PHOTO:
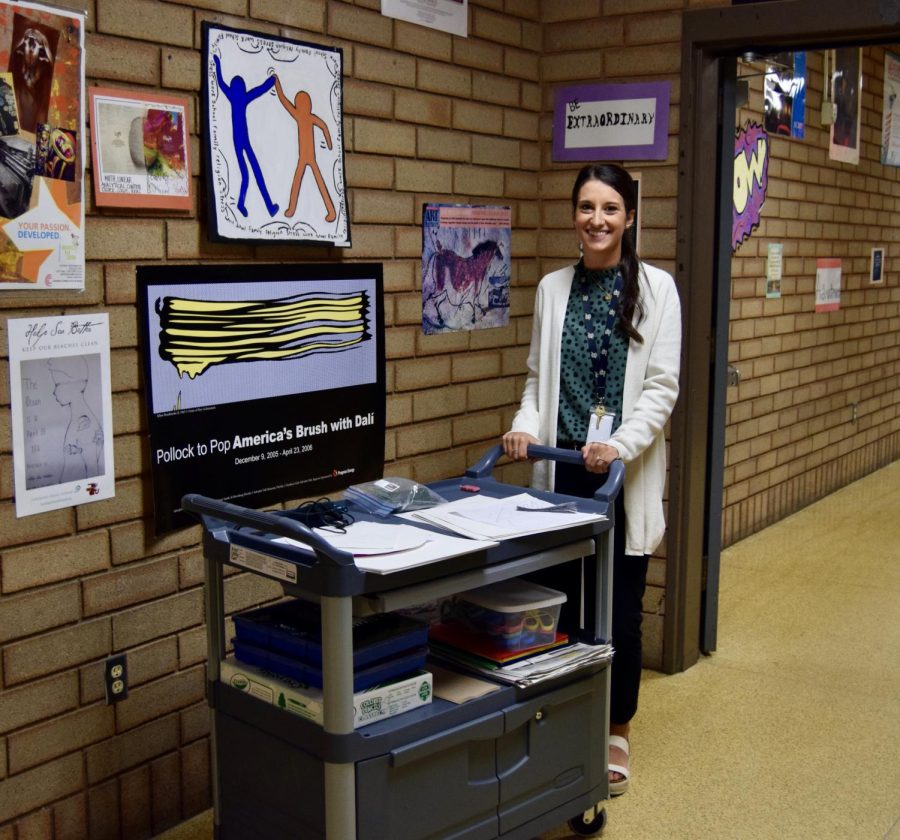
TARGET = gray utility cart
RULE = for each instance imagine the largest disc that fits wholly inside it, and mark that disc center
(511, 764)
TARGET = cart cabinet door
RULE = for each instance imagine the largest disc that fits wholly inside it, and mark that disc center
(552, 752)
(437, 788)
(267, 788)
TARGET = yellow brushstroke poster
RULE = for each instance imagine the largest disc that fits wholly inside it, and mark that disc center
(265, 391)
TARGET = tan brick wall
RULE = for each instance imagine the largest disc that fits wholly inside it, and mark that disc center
(428, 117)
(819, 402)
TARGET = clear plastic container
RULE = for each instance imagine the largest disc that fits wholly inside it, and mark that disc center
(515, 614)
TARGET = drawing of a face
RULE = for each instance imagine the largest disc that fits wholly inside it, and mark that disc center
(70, 376)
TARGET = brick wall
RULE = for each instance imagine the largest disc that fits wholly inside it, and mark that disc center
(819, 403)
(427, 117)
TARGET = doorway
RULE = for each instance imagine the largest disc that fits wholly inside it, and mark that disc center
(711, 41)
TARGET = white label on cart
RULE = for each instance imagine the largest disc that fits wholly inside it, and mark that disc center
(262, 563)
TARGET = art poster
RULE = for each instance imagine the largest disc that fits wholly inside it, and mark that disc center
(274, 139)
(140, 150)
(465, 267)
(785, 95)
(265, 383)
(751, 180)
(890, 129)
(444, 15)
(41, 147)
(828, 284)
(61, 406)
(846, 89)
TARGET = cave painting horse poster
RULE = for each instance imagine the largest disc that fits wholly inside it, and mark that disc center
(41, 147)
(265, 382)
(274, 138)
(465, 267)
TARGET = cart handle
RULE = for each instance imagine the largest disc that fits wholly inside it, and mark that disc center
(267, 522)
(605, 493)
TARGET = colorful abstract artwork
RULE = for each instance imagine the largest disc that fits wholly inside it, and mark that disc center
(140, 149)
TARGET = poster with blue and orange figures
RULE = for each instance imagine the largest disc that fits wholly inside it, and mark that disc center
(274, 137)
(41, 147)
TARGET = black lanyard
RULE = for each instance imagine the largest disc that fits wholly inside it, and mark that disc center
(600, 356)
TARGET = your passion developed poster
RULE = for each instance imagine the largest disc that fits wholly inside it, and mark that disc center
(264, 383)
(41, 147)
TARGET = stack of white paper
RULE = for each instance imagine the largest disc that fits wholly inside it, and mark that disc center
(385, 548)
(484, 517)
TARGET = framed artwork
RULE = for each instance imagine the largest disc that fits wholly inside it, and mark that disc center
(265, 383)
(41, 147)
(601, 122)
(274, 138)
(140, 149)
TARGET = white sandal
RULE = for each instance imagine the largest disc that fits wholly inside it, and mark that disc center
(618, 787)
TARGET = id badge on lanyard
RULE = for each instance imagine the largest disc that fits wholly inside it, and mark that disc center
(600, 421)
(600, 426)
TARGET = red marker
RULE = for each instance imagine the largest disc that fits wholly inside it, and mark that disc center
(469, 488)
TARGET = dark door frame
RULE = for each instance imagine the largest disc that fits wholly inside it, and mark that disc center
(711, 39)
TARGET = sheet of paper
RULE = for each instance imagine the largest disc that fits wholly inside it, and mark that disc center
(459, 688)
(370, 538)
(484, 517)
(433, 547)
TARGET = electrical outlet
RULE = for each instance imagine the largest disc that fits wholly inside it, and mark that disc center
(116, 676)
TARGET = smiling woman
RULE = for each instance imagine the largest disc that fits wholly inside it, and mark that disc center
(603, 378)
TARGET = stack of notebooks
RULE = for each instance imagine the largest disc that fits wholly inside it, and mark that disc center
(286, 639)
(452, 642)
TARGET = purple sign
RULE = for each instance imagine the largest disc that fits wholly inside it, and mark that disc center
(751, 177)
(611, 122)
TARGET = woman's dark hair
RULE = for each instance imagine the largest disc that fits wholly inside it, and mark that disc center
(619, 179)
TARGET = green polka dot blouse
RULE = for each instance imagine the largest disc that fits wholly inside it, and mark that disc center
(576, 380)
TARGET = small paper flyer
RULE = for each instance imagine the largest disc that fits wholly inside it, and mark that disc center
(61, 404)
(828, 285)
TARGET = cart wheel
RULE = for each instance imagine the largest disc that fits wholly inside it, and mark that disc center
(585, 825)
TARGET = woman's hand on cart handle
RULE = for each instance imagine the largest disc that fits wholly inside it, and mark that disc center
(598, 456)
(515, 445)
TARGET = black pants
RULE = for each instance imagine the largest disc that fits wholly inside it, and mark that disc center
(629, 583)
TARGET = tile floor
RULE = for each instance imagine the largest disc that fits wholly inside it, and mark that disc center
(791, 729)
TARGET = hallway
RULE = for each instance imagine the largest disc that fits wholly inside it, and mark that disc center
(791, 729)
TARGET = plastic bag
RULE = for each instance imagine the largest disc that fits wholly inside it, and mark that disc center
(392, 494)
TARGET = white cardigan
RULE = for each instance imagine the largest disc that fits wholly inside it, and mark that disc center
(649, 394)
